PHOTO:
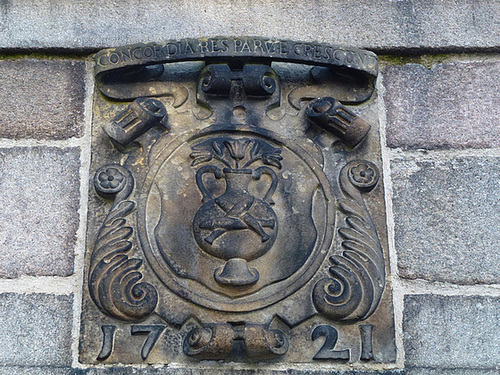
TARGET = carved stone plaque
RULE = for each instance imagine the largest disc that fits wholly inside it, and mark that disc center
(236, 210)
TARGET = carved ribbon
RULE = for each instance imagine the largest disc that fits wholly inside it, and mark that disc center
(356, 61)
(357, 274)
(113, 279)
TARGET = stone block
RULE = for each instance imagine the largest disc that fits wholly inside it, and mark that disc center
(259, 370)
(446, 217)
(39, 203)
(36, 329)
(374, 24)
(455, 371)
(24, 370)
(451, 332)
(452, 105)
(42, 99)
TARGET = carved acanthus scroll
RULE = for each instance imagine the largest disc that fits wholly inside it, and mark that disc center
(114, 277)
(358, 275)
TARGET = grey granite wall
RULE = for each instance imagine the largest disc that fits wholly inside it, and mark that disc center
(440, 91)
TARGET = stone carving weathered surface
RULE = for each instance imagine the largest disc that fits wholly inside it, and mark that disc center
(237, 211)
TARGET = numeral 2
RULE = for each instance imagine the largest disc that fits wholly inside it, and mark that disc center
(327, 351)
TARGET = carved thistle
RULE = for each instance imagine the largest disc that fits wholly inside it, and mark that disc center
(237, 210)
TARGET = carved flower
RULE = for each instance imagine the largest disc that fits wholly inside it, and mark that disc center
(237, 148)
(236, 153)
(110, 178)
(364, 175)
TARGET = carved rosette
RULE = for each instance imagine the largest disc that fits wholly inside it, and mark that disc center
(114, 279)
(357, 274)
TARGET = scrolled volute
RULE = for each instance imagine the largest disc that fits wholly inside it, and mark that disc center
(355, 287)
(114, 279)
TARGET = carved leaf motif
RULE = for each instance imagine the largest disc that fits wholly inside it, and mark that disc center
(358, 272)
(114, 234)
(236, 153)
(273, 159)
(350, 206)
(361, 236)
(200, 156)
(114, 280)
(219, 150)
(255, 152)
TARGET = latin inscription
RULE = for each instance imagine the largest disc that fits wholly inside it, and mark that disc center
(193, 49)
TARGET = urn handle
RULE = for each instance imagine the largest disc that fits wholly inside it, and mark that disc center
(199, 180)
(257, 174)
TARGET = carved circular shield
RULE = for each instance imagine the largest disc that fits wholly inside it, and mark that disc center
(234, 220)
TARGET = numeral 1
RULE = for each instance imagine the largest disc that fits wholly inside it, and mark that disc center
(366, 331)
(108, 332)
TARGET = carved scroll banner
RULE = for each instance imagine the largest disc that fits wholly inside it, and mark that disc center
(236, 209)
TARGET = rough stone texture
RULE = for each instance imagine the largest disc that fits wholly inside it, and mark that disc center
(36, 329)
(451, 332)
(221, 371)
(378, 24)
(446, 217)
(179, 371)
(455, 371)
(185, 371)
(39, 202)
(19, 370)
(452, 105)
(41, 99)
